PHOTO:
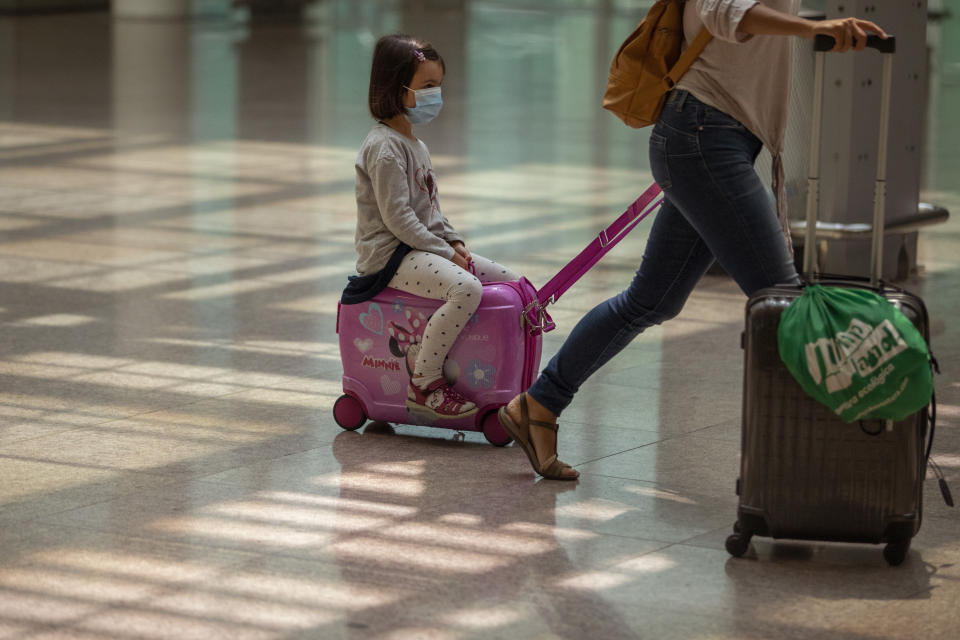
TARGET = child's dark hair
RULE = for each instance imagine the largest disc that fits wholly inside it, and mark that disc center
(395, 60)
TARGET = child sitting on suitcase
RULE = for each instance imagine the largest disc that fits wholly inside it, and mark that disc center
(403, 240)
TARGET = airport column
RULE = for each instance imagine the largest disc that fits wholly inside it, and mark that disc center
(152, 8)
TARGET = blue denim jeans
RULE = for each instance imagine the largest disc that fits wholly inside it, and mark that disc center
(715, 208)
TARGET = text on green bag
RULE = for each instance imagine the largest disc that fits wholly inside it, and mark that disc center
(861, 349)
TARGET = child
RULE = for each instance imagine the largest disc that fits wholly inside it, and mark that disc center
(403, 240)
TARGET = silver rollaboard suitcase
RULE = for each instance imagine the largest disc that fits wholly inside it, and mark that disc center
(804, 473)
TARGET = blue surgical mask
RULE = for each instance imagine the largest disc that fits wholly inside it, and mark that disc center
(428, 106)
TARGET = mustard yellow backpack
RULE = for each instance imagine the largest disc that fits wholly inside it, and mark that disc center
(649, 63)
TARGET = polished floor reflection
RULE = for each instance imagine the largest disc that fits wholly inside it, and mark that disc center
(176, 224)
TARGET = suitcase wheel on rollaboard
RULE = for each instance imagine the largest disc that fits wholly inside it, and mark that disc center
(348, 413)
(738, 543)
(896, 552)
(493, 432)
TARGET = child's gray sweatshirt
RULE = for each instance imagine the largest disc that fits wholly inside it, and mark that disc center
(397, 200)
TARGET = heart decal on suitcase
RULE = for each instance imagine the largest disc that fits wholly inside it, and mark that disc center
(372, 319)
(390, 386)
(363, 345)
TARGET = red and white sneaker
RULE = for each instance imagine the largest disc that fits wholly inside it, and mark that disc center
(439, 399)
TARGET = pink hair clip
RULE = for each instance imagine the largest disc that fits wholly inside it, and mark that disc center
(419, 55)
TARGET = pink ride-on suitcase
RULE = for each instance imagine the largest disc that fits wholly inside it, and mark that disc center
(495, 357)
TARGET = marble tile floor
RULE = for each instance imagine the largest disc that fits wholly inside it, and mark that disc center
(170, 468)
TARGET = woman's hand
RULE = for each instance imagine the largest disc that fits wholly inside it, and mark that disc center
(848, 32)
(462, 251)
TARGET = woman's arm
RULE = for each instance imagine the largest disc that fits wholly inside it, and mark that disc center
(848, 32)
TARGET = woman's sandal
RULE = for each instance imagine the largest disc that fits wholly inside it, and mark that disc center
(552, 469)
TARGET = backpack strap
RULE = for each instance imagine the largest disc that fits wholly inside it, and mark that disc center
(687, 58)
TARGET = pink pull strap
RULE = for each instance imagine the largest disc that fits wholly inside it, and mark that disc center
(535, 313)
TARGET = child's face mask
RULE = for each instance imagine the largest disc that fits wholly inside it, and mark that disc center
(428, 106)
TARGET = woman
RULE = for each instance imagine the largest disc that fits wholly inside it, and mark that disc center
(728, 105)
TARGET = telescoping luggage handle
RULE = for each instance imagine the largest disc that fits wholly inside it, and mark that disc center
(821, 45)
(534, 315)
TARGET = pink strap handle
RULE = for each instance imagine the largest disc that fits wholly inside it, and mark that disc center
(535, 314)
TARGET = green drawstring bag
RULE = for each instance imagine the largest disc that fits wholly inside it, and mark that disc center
(855, 352)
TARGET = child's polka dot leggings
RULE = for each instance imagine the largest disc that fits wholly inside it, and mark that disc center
(431, 276)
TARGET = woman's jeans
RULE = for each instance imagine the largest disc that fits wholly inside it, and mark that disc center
(715, 207)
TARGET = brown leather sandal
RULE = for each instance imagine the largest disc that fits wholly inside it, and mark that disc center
(551, 468)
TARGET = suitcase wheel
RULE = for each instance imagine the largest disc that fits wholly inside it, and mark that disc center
(493, 432)
(737, 544)
(348, 413)
(896, 552)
